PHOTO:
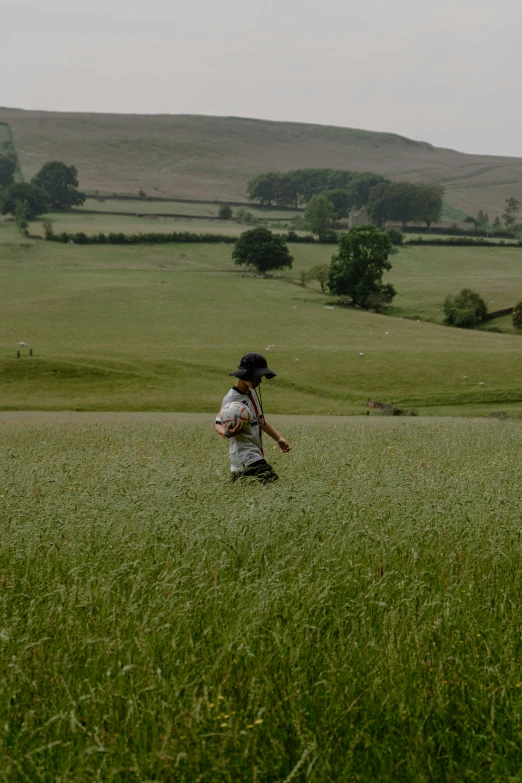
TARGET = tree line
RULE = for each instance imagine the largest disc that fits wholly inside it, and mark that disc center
(509, 216)
(344, 190)
(54, 187)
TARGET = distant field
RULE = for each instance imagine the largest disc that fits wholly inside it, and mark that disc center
(211, 210)
(424, 276)
(159, 328)
(452, 214)
(505, 323)
(207, 158)
(92, 224)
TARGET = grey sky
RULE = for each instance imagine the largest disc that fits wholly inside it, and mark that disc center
(448, 72)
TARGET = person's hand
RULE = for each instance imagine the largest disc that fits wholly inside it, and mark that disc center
(233, 431)
(283, 445)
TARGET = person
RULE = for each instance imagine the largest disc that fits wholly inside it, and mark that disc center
(246, 446)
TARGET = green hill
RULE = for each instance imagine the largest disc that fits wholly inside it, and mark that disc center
(160, 327)
(208, 158)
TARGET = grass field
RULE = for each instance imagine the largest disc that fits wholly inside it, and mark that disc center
(451, 213)
(160, 624)
(207, 158)
(424, 276)
(73, 222)
(135, 328)
(208, 210)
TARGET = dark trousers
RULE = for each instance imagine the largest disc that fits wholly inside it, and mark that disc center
(260, 470)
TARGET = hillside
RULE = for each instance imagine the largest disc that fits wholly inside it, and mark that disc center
(210, 158)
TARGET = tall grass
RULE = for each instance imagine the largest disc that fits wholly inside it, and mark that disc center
(360, 620)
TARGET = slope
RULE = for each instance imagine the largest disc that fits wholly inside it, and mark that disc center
(213, 157)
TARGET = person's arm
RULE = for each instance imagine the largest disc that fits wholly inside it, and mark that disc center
(232, 432)
(273, 433)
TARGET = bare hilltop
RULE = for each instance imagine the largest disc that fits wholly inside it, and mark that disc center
(207, 158)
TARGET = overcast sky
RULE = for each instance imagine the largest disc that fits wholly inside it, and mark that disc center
(448, 72)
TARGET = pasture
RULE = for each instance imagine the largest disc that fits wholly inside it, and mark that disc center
(161, 624)
(159, 328)
(201, 209)
(73, 222)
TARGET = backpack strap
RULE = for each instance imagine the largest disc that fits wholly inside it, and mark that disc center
(259, 414)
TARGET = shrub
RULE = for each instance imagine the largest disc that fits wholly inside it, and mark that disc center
(396, 236)
(34, 198)
(47, 226)
(517, 317)
(298, 223)
(151, 238)
(328, 237)
(460, 242)
(244, 216)
(379, 301)
(465, 309)
(319, 273)
(225, 212)
(291, 236)
(20, 214)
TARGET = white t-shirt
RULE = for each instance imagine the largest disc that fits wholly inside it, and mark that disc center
(246, 447)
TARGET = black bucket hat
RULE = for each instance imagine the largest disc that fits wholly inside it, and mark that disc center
(253, 367)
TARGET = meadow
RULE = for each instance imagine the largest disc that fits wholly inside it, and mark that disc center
(73, 222)
(135, 328)
(158, 623)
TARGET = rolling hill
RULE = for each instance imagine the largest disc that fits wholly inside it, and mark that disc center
(197, 157)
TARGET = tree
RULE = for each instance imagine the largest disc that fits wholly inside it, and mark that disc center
(428, 203)
(497, 224)
(517, 317)
(340, 200)
(264, 188)
(511, 210)
(262, 250)
(392, 201)
(360, 187)
(60, 182)
(319, 273)
(357, 268)
(289, 189)
(225, 212)
(47, 226)
(319, 215)
(7, 170)
(404, 202)
(482, 220)
(35, 199)
(466, 309)
(20, 213)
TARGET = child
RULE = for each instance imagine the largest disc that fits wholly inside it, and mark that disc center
(246, 447)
